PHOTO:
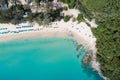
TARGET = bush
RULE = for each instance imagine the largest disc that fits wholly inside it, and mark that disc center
(65, 1)
(73, 19)
(65, 8)
(80, 17)
(71, 5)
(66, 18)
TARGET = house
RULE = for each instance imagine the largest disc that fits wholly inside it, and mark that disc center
(3, 5)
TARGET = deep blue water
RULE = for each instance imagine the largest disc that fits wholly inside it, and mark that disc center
(43, 59)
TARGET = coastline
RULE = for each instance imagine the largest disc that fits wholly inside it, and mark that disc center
(80, 32)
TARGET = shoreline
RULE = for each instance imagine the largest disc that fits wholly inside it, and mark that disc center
(79, 32)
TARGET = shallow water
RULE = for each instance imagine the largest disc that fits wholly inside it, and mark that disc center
(43, 59)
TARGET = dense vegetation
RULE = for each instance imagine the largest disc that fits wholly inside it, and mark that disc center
(107, 14)
(66, 18)
(44, 18)
(77, 4)
(80, 17)
(15, 14)
(71, 3)
(3, 1)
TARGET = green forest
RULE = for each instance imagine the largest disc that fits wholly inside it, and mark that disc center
(15, 14)
(107, 14)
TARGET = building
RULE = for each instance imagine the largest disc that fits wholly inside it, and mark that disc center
(3, 5)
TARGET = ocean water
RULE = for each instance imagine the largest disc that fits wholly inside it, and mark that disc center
(43, 59)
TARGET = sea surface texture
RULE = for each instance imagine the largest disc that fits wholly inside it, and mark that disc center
(43, 59)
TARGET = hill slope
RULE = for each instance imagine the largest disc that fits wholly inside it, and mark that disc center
(107, 14)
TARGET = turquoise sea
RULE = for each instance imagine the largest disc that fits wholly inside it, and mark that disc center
(43, 59)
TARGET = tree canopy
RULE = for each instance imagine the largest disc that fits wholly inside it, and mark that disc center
(107, 16)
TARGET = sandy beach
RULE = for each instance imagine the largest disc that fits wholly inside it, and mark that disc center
(81, 32)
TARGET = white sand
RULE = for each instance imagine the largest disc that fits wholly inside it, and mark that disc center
(80, 32)
(92, 23)
(71, 12)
